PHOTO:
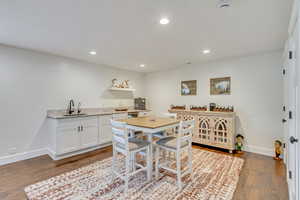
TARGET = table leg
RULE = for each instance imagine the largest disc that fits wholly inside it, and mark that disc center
(149, 137)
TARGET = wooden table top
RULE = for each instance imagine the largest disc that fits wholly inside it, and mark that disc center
(150, 122)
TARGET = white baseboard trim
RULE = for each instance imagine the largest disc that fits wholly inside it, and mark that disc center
(259, 150)
(22, 156)
(59, 157)
(45, 151)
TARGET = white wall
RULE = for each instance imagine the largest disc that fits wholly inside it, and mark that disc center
(31, 83)
(256, 94)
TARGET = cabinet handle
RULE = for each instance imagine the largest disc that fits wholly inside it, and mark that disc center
(78, 128)
(81, 128)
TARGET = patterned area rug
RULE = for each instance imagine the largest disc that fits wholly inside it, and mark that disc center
(215, 178)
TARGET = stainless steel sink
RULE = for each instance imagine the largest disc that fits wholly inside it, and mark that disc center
(75, 115)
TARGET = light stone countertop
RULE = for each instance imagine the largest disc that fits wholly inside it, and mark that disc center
(60, 114)
(216, 113)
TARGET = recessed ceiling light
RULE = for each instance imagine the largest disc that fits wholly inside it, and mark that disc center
(206, 51)
(93, 52)
(142, 65)
(164, 21)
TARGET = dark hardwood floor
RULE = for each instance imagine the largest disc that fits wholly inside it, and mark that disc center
(262, 178)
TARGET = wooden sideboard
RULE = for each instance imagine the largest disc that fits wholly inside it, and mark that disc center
(211, 128)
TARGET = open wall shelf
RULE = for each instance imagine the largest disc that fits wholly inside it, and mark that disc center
(123, 89)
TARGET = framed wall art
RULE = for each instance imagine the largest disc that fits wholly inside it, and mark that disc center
(219, 86)
(188, 88)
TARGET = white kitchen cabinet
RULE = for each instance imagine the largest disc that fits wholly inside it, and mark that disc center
(105, 120)
(75, 134)
(89, 132)
(105, 134)
(67, 140)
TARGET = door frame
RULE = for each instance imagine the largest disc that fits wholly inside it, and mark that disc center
(293, 45)
(297, 135)
(291, 114)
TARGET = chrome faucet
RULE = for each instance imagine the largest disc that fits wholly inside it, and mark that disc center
(71, 107)
(79, 108)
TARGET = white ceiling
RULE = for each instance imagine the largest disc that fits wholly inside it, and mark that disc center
(126, 33)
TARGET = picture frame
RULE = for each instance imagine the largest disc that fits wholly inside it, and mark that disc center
(220, 86)
(188, 88)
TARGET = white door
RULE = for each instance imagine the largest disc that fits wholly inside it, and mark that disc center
(285, 105)
(89, 132)
(105, 133)
(68, 139)
(295, 140)
(292, 114)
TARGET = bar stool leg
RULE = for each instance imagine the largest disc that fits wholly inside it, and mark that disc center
(127, 173)
(157, 162)
(178, 168)
(148, 164)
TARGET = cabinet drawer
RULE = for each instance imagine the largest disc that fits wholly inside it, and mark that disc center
(89, 121)
(105, 120)
(71, 122)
